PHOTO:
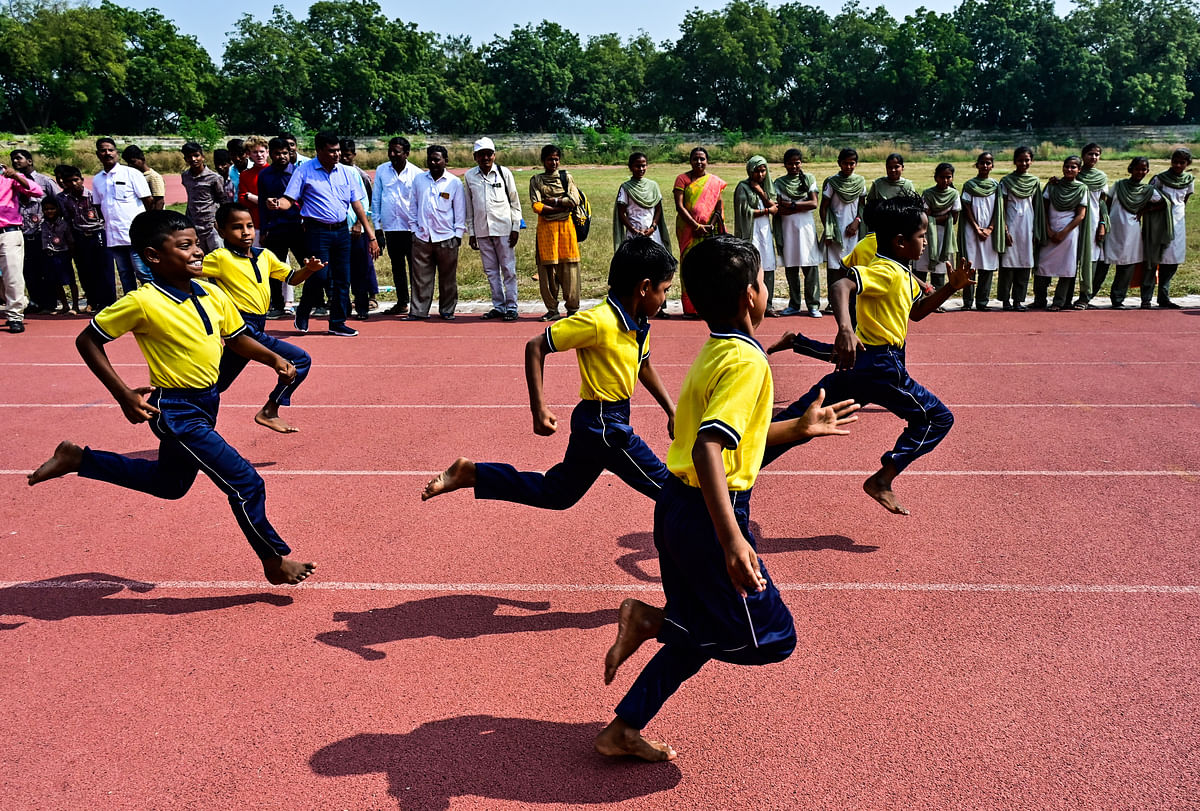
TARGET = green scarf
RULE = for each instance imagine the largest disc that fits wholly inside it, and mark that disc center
(1023, 186)
(1133, 197)
(794, 187)
(884, 189)
(746, 201)
(1158, 228)
(850, 190)
(941, 202)
(985, 187)
(1068, 197)
(1175, 181)
(647, 194)
(1096, 180)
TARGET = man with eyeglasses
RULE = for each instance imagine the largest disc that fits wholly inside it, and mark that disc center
(494, 225)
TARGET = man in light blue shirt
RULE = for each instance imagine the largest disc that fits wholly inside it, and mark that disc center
(326, 191)
(439, 222)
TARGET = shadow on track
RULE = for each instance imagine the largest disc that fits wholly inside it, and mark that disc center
(452, 616)
(642, 544)
(518, 760)
(92, 598)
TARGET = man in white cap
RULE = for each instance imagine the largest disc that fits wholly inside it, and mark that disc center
(494, 225)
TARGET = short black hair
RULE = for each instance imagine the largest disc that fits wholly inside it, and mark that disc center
(1023, 150)
(326, 138)
(716, 273)
(24, 153)
(133, 152)
(236, 147)
(225, 212)
(277, 143)
(348, 145)
(221, 156)
(429, 150)
(191, 148)
(898, 216)
(638, 259)
(67, 170)
(550, 149)
(400, 141)
(287, 136)
(1184, 154)
(105, 140)
(51, 200)
(150, 229)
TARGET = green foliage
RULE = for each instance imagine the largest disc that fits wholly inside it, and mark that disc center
(54, 144)
(207, 131)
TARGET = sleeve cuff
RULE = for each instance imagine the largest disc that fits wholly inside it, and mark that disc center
(236, 332)
(550, 340)
(722, 428)
(100, 331)
(858, 282)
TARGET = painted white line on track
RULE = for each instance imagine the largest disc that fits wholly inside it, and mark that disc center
(427, 334)
(451, 588)
(916, 363)
(777, 473)
(525, 406)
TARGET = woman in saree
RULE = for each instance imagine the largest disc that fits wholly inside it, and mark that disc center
(700, 211)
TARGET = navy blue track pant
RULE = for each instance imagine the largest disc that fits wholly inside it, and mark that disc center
(188, 443)
(232, 363)
(705, 617)
(879, 377)
(601, 439)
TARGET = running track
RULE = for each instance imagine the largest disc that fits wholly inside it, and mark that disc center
(1026, 639)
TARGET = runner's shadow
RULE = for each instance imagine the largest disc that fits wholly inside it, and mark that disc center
(642, 544)
(42, 600)
(452, 616)
(517, 760)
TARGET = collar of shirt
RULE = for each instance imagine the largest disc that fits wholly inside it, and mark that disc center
(733, 333)
(627, 321)
(177, 295)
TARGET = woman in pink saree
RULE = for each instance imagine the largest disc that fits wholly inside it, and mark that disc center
(699, 210)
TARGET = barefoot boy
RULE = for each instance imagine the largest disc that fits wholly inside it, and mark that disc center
(179, 324)
(245, 273)
(721, 603)
(870, 357)
(611, 343)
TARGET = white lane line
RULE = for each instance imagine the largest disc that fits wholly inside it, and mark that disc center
(240, 585)
(525, 406)
(698, 337)
(778, 473)
(914, 363)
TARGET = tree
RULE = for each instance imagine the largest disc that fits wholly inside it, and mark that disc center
(927, 80)
(534, 70)
(266, 73)
(58, 62)
(1001, 36)
(859, 85)
(801, 81)
(610, 88)
(463, 100)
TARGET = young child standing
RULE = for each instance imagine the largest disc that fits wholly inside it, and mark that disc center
(1024, 228)
(179, 324)
(244, 272)
(1132, 199)
(720, 601)
(796, 234)
(980, 237)
(611, 343)
(639, 210)
(870, 358)
(205, 192)
(1176, 185)
(753, 210)
(56, 249)
(842, 197)
(1092, 274)
(87, 238)
(1063, 256)
(942, 207)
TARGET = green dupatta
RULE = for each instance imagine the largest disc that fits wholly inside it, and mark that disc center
(1096, 180)
(1171, 181)
(939, 203)
(647, 194)
(1068, 197)
(1158, 227)
(985, 187)
(1025, 186)
(796, 188)
(850, 190)
(746, 201)
(884, 189)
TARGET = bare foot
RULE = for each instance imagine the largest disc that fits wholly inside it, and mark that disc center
(281, 571)
(66, 459)
(458, 475)
(618, 738)
(879, 487)
(784, 342)
(269, 417)
(636, 623)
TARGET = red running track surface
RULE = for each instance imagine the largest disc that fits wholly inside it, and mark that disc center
(1025, 639)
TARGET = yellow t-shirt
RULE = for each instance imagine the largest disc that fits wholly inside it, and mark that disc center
(609, 347)
(886, 291)
(249, 287)
(180, 333)
(729, 390)
(863, 253)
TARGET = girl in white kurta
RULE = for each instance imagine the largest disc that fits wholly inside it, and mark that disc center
(1024, 227)
(1092, 277)
(1130, 199)
(943, 207)
(796, 233)
(842, 197)
(977, 233)
(1176, 185)
(1066, 207)
(753, 209)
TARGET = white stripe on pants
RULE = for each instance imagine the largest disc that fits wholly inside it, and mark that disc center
(500, 265)
(12, 274)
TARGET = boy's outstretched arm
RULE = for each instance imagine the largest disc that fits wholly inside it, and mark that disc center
(91, 349)
(846, 345)
(960, 276)
(740, 560)
(247, 347)
(311, 265)
(544, 421)
(653, 383)
(817, 420)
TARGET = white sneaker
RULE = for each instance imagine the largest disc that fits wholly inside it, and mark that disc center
(814, 312)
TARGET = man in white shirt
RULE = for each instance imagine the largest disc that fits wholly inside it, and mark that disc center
(494, 226)
(391, 210)
(122, 193)
(439, 220)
